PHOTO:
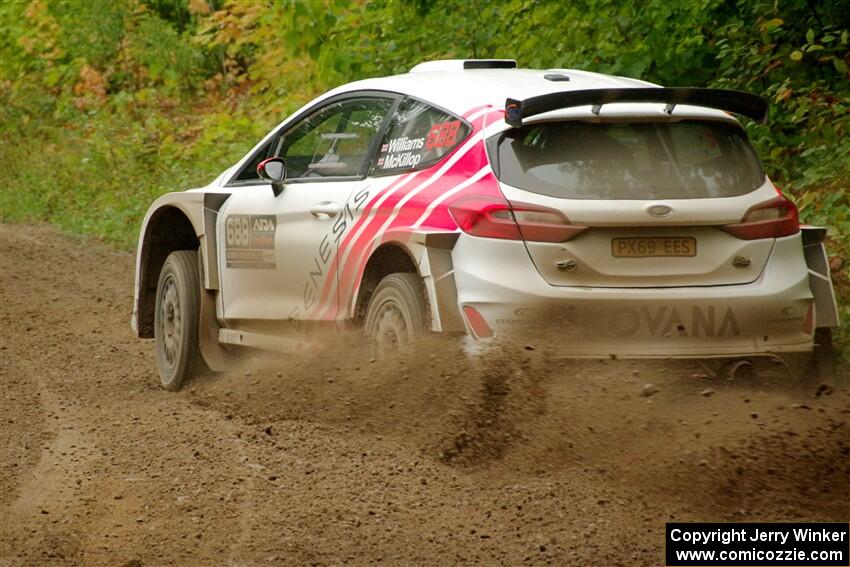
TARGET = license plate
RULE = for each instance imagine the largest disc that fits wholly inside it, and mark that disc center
(653, 247)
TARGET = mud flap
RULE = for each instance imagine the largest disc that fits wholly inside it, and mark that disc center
(214, 354)
(438, 270)
(826, 307)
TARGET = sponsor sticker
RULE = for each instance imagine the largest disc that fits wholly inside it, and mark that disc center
(625, 321)
(442, 135)
(323, 257)
(249, 241)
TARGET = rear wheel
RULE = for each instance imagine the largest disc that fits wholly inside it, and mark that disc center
(176, 319)
(397, 313)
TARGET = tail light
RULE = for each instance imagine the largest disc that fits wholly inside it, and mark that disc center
(771, 219)
(809, 321)
(494, 217)
(489, 217)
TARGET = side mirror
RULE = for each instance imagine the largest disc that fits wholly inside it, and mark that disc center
(273, 170)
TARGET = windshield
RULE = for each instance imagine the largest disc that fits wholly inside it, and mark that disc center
(628, 160)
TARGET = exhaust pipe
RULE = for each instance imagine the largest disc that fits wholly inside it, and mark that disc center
(739, 369)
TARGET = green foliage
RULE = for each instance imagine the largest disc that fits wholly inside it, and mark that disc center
(123, 100)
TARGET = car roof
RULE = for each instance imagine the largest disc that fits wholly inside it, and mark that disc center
(460, 90)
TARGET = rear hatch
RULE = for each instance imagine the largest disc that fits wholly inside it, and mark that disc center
(646, 199)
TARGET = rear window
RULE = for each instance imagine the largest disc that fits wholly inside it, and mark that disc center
(628, 160)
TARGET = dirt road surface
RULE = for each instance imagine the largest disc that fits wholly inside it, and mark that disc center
(336, 460)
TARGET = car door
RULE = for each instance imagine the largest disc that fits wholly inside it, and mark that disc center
(276, 252)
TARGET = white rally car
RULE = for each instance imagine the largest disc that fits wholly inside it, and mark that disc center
(470, 196)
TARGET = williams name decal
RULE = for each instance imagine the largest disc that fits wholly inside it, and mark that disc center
(401, 152)
(403, 144)
(250, 241)
(405, 152)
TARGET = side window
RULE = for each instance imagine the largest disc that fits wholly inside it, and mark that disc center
(335, 141)
(249, 170)
(418, 136)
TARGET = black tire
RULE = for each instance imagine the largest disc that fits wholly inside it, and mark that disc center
(397, 313)
(178, 298)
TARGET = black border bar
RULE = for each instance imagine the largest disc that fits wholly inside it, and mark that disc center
(768, 544)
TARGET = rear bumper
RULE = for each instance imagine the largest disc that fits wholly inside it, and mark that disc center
(760, 318)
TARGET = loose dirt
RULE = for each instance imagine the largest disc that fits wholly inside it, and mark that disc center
(337, 459)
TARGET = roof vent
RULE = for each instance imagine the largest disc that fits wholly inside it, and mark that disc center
(461, 64)
(556, 77)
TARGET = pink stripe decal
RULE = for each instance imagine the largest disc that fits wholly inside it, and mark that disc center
(330, 280)
(459, 174)
(392, 212)
(399, 202)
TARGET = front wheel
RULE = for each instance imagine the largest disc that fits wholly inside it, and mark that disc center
(176, 319)
(397, 313)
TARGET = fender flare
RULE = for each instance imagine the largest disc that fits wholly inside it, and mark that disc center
(193, 205)
(431, 252)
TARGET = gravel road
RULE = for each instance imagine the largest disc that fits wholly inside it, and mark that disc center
(334, 459)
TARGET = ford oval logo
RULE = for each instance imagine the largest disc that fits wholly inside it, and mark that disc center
(659, 210)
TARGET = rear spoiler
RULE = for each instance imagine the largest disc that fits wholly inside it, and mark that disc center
(749, 105)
